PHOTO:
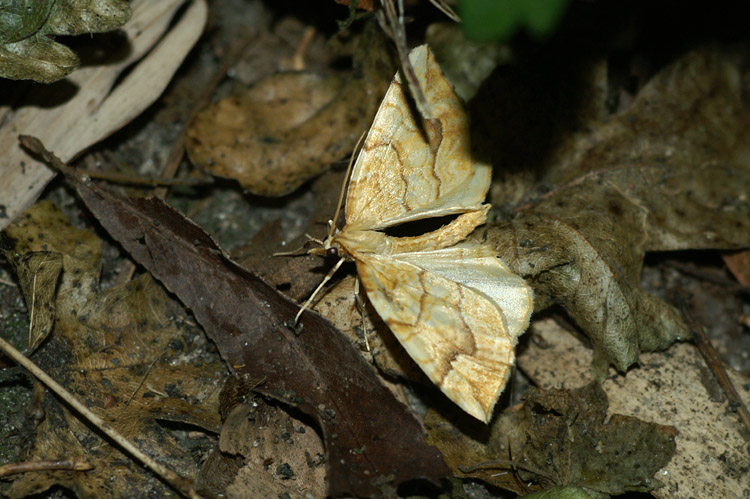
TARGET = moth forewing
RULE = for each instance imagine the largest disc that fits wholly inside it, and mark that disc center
(398, 173)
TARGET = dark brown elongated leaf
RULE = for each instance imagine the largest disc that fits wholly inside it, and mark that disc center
(372, 441)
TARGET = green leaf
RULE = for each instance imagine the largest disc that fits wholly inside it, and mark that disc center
(27, 47)
(500, 19)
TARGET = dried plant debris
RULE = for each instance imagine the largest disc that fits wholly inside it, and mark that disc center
(27, 28)
(673, 388)
(125, 355)
(666, 174)
(557, 439)
(567, 437)
(279, 454)
(291, 126)
(373, 443)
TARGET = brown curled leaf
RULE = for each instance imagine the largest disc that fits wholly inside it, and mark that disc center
(291, 126)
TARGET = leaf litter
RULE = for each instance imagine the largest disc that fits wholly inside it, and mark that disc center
(564, 241)
(124, 352)
(372, 441)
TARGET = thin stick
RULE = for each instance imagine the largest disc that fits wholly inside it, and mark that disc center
(180, 484)
(143, 378)
(728, 284)
(70, 464)
(391, 19)
(716, 364)
(124, 178)
(446, 9)
(505, 464)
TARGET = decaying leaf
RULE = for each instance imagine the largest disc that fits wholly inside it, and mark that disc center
(120, 351)
(558, 438)
(291, 126)
(738, 263)
(570, 437)
(27, 47)
(669, 173)
(466, 448)
(38, 273)
(672, 388)
(373, 442)
(280, 455)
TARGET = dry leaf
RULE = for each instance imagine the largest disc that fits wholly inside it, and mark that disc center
(558, 438)
(291, 126)
(673, 388)
(464, 448)
(574, 441)
(361, 4)
(666, 174)
(123, 354)
(465, 62)
(455, 308)
(102, 103)
(281, 454)
(739, 264)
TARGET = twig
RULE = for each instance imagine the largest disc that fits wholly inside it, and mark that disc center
(143, 378)
(391, 20)
(70, 464)
(728, 284)
(446, 9)
(506, 464)
(124, 178)
(181, 484)
(7, 282)
(715, 364)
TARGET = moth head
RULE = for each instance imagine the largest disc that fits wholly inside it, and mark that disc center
(327, 248)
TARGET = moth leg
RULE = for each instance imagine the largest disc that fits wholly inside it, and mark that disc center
(362, 311)
(327, 278)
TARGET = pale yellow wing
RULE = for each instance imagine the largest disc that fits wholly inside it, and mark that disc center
(479, 268)
(400, 174)
(456, 334)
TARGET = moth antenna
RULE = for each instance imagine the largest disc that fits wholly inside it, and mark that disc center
(327, 278)
(298, 252)
(355, 153)
(301, 250)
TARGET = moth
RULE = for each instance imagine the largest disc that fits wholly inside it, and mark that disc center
(455, 307)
